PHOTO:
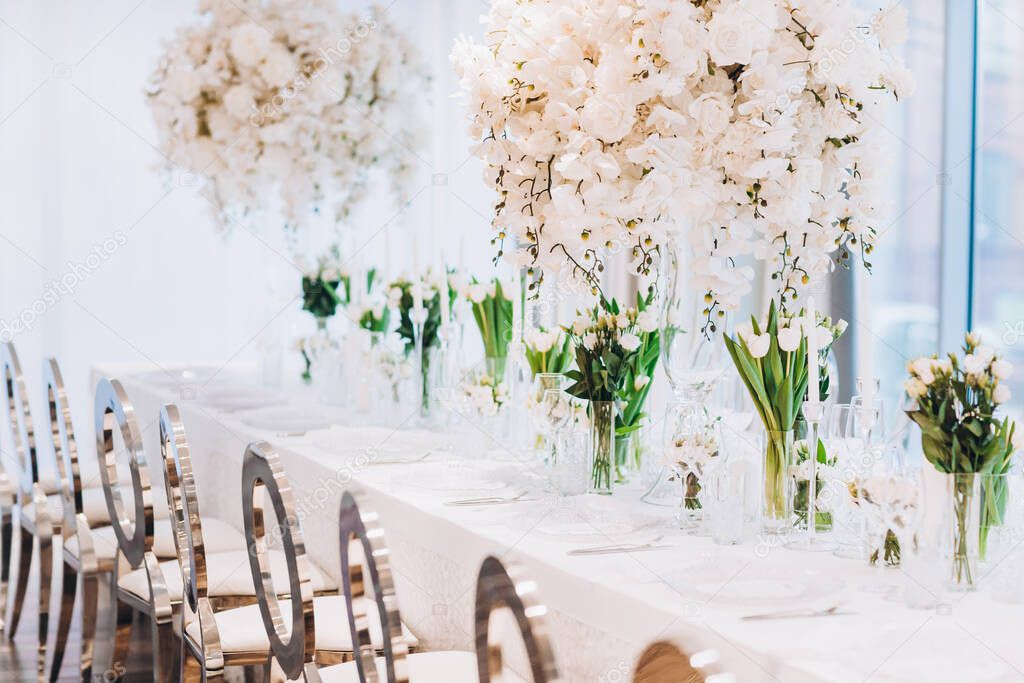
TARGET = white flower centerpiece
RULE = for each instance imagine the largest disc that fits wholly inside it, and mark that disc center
(287, 106)
(751, 123)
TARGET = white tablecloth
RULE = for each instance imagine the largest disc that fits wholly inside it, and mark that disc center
(603, 609)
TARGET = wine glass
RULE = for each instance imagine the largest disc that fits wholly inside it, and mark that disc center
(846, 520)
(550, 415)
(886, 495)
(732, 402)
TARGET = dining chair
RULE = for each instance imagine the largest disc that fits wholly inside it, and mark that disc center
(151, 587)
(27, 509)
(218, 632)
(305, 631)
(668, 662)
(84, 512)
(365, 562)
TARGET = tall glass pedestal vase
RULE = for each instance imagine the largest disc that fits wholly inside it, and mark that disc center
(602, 446)
(777, 499)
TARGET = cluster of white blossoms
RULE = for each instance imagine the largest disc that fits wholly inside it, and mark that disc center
(483, 395)
(601, 331)
(980, 368)
(691, 453)
(542, 341)
(740, 127)
(792, 329)
(287, 105)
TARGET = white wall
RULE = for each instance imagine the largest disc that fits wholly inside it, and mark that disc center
(80, 168)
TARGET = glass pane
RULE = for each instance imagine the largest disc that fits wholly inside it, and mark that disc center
(905, 278)
(998, 289)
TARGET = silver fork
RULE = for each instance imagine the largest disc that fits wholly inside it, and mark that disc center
(619, 548)
(486, 500)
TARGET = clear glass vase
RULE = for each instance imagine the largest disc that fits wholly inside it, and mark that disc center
(961, 527)
(777, 499)
(602, 445)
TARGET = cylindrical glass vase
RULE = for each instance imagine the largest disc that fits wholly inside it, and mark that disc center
(777, 500)
(602, 445)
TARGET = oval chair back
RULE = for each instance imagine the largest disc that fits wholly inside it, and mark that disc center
(19, 420)
(113, 410)
(497, 588)
(263, 479)
(359, 523)
(65, 449)
(667, 662)
(187, 529)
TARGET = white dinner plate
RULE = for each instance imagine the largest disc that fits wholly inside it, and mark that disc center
(292, 419)
(377, 446)
(450, 481)
(231, 400)
(729, 582)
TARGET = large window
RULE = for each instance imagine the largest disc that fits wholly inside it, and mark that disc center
(997, 293)
(905, 293)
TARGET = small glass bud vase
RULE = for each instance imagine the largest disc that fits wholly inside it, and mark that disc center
(777, 501)
(602, 446)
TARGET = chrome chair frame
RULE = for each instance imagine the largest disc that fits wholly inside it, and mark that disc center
(357, 522)
(81, 571)
(263, 476)
(114, 410)
(41, 527)
(497, 588)
(203, 659)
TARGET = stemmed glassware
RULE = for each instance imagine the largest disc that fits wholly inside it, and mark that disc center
(550, 414)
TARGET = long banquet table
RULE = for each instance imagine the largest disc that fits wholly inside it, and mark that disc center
(603, 609)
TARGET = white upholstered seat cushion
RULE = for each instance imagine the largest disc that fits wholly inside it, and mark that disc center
(227, 574)
(242, 630)
(424, 667)
(218, 536)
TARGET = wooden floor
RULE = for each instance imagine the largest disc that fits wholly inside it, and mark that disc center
(18, 658)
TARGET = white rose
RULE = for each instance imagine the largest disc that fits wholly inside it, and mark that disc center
(730, 39)
(279, 67)
(239, 102)
(646, 322)
(476, 292)
(974, 365)
(1001, 394)
(758, 344)
(580, 325)
(249, 44)
(622, 321)
(922, 367)
(915, 388)
(640, 382)
(1002, 369)
(986, 353)
(184, 85)
(608, 118)
(712, 112)
(629, 341)
(589, 341)
(789, 338)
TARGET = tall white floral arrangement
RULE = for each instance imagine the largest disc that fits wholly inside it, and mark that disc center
(287, 104)
(752, 124)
